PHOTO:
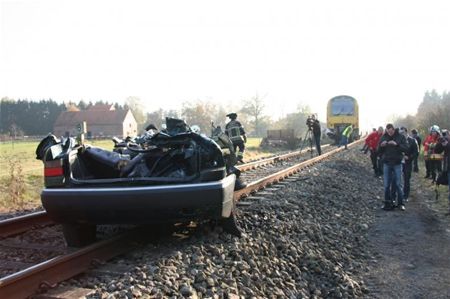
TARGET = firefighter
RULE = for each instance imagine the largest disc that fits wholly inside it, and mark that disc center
(236, 133)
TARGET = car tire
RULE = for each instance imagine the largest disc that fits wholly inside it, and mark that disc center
(230, 225)
(78, 235)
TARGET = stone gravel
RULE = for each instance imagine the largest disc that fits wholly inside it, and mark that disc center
(304, 238)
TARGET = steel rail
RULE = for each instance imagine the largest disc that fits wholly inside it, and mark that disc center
(271, 160)
(47, 274)
(26, 282)
(20, 224)
(280, 175)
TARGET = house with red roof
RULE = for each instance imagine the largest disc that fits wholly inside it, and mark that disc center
(101, 121)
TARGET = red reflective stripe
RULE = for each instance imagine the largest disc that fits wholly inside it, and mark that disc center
(53, 171)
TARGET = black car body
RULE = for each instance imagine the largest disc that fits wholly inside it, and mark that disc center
(165, 177)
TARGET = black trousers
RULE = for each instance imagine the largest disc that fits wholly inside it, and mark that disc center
(435, 167)
(415, 164)
(241, 146)
(375, 162)
(407, 170)
(427, 167)
(317, 141)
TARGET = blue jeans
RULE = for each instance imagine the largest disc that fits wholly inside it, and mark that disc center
(344, 141)
(392, 174)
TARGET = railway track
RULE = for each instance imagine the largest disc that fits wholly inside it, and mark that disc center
(48, 273)
(21, 224)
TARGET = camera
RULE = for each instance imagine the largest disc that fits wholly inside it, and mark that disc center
(310, 122)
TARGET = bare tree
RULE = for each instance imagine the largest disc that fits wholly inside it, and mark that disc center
(156, 118)
(137, 108)
(201, 113)
(254, 107)
(434, 110)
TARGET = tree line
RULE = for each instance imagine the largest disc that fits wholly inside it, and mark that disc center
(36, 118)
(206, 113)
(433, 110)
(28, 117)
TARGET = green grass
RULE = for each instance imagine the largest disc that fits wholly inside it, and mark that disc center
(253, 143)
(19, 159)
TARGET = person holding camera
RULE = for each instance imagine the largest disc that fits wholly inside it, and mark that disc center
(314, 126)
(391, 147)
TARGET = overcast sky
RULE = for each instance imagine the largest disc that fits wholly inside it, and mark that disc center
(386, 54)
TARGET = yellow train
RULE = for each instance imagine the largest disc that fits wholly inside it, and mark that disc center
(343, 111)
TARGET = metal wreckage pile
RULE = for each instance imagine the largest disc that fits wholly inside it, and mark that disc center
(173, 155)
(163, 176)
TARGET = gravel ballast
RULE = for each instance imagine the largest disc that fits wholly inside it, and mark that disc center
(305, 238)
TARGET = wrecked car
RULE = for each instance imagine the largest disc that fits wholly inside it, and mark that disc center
(169, 176)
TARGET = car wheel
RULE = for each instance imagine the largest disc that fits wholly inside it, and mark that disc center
(78, 235)
(230, 226)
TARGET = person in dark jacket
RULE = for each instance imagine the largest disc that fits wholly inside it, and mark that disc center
(443, 145)
(317, 132)
(236, 133)
(410, 155)
(391, 147)
(416, 136)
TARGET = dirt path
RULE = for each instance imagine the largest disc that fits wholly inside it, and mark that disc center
(412, 250)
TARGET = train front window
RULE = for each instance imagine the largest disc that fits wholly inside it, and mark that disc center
(343, 106)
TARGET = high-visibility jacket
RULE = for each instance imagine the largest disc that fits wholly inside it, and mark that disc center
(348, 131)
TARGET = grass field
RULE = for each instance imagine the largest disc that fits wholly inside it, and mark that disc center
(21, 174)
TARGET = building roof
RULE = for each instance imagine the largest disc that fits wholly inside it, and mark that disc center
(91, 117)
(101, 107)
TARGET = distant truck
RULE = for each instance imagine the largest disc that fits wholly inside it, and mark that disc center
(284, 138)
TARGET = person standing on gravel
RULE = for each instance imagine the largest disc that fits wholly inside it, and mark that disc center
(410, 155)
(416, 136)
(391, 147)
(317, 132)
(432, 161)
(444, 146)
(372, 144)
(346, 136)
